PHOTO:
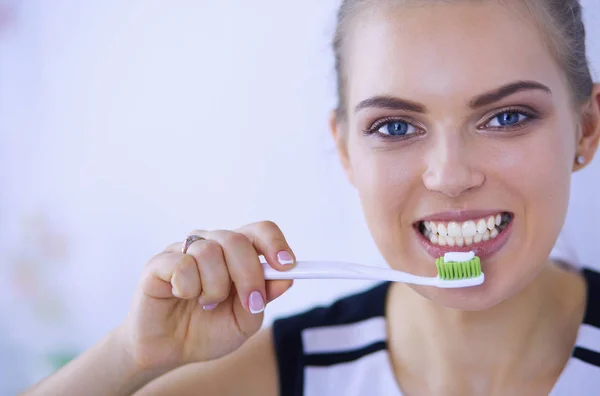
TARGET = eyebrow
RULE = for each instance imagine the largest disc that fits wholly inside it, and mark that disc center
(507, 90)
(390, 103)
(394, 103)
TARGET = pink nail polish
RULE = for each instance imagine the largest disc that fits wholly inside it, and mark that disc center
(256, 303)
(210, 307)
(285, 258)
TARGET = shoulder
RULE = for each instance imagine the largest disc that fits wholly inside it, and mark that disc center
(588, 341)
(354, 308)
(581, 375)
(592, 314)
(344, 331)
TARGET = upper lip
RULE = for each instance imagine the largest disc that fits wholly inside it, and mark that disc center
(461, 215)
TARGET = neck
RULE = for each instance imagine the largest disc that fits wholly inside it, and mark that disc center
(501, 345)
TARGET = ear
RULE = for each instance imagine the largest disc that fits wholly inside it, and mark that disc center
(589, 136)
(339, 131)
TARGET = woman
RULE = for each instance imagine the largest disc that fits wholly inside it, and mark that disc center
(460, 124)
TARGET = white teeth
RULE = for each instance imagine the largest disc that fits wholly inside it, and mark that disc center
(442, 229)
(462, 234)
(433, 227)
(454, 229)
(469, 229)
(491, 223)
(481, 226)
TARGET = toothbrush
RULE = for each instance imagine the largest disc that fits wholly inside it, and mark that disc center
(455, 269)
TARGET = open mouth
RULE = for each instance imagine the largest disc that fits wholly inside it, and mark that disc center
(467, 233)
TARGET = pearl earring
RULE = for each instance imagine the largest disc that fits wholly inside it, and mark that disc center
(580, 160)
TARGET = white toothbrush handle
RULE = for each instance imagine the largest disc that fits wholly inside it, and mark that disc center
(338, 270)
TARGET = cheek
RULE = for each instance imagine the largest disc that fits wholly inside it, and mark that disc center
(539, 170)
(385, 181)
(535, 172)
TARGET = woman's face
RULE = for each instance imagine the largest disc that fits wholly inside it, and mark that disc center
(457, 114)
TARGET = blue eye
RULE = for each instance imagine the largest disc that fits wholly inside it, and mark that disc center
(396, 128)
(507, 119)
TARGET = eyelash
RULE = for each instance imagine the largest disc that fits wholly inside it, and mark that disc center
(531, 117)
(530, 114)
(373, 130)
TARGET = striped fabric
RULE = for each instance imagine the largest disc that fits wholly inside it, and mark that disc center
(342, 349)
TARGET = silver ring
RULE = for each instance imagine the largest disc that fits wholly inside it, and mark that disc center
(188, 241)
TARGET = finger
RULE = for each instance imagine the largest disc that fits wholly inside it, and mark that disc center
(214, 276)
(177, 247)
(276, 288)
(244, 268)
(170, 275)
(174, 247)
(268, 240)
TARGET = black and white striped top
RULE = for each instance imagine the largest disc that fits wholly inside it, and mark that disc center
(342, 349)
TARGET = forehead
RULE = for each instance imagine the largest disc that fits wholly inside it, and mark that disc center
(445, 50)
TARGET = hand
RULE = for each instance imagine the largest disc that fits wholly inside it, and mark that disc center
(205, 304)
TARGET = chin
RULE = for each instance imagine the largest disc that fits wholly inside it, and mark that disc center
(468, 299)
(496, 289)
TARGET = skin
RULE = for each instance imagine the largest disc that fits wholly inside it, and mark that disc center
(487, 340)
(457, 160)
(453, 164)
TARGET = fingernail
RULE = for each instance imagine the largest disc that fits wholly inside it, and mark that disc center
(210, 307)
(256, 303)
(285, 258)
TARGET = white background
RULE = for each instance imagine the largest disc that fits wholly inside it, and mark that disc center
(126, 124)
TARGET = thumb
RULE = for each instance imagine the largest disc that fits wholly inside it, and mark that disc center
(248, 323)
(276, 288)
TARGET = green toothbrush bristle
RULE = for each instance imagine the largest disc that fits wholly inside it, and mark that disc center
(455, 271)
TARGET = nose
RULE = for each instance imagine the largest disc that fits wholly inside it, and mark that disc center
(450, 169)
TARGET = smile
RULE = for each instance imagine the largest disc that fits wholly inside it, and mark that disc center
(465, 233)
(484, 233)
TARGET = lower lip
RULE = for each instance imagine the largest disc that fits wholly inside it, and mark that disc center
(483, 250)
